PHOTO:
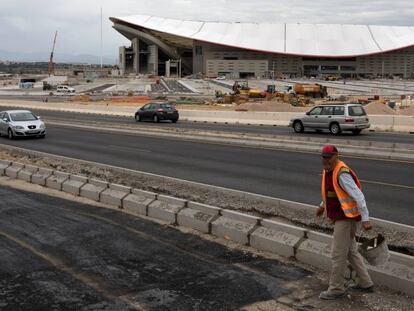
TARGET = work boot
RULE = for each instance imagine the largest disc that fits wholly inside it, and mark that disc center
(327, 295)
(358, 288)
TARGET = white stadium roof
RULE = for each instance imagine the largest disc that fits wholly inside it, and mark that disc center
(316, 40)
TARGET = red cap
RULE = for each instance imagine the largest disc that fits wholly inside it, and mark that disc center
(329, 151)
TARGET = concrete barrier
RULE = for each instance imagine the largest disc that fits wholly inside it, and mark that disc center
(93, 189)
(3, 166)
(13, 170)
(40, 177)
(403, 123)
(56, 180)
(242, 117)
(198, 216)
(316, 250)
(137, 201)
(378, 122)
(235, 226)
(395, 276)
(392, 123)
(276, 237)
(166, 208)
(74, 184)
(27, 172)
(114, 195)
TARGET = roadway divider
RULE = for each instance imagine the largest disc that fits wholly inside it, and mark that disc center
(390, 123)
(305, 245)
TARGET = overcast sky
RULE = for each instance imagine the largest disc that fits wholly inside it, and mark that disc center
(29, 25)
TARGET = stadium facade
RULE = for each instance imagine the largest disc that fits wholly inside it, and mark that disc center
(161, 46)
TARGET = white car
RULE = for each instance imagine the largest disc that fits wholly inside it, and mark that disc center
(64, 89)
(21, 123)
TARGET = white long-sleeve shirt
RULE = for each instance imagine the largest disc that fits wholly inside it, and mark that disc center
(349, 186)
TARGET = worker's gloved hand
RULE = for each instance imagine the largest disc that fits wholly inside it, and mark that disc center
(319, 211)
(366, 225)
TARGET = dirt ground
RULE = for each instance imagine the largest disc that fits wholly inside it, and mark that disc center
(275, 106)
(375, 107)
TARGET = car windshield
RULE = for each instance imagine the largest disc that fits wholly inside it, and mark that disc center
(22, 116)
(356, 111)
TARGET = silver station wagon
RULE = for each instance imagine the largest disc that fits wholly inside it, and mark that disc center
(336, 118)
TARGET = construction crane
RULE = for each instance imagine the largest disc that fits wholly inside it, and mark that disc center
(51, 67)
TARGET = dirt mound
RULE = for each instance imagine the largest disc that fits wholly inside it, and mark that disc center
(378, 107)
(271, 106)
(130, 99)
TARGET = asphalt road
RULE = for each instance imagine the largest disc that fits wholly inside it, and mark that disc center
(388, 186)
(251, 129)
(62, 255)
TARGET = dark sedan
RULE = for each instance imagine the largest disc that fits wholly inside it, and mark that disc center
(157, 112)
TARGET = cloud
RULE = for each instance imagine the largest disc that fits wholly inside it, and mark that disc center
(30, 25)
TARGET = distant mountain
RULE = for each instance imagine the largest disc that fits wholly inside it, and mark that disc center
(58, 58)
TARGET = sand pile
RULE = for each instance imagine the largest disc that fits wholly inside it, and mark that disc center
(271, 106)
(378, 107)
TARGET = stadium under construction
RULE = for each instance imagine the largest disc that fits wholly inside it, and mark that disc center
(167, 47)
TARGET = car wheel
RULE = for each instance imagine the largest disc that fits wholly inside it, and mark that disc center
(10, 134)
(356, 132)
(138, 118)
(298, 127)
(335, 129)
(174, 121)
(42, 136)
(156, 119)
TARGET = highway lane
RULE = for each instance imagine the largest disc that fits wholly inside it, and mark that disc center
(235, 128)
(295, 176)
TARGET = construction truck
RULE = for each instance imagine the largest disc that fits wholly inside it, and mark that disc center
(311, 90)
(331, 78)
(241, 87)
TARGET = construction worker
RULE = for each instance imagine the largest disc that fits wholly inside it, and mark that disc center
(344, 205)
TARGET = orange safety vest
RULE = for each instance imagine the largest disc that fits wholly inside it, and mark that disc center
(348, 204)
